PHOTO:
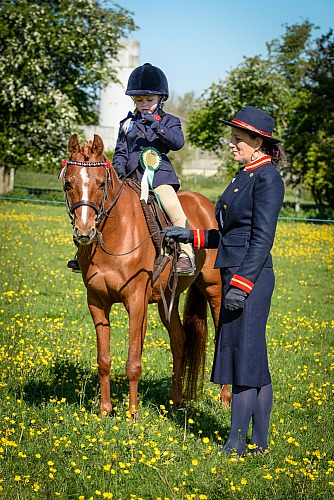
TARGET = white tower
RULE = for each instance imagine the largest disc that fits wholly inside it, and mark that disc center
(114, 104)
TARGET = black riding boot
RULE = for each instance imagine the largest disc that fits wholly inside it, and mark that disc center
(74, 265)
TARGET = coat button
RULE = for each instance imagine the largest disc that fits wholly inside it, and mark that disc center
(236, 190)
(224, 206)
(141, 147)
(142, 134)
(251, 175)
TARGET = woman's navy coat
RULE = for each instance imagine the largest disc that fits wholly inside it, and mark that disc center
(167, 137)
(247, 215)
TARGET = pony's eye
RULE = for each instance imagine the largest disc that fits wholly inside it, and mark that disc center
(102, 185)
(67, 185)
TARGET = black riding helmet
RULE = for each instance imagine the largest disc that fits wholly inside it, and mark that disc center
(146, 80)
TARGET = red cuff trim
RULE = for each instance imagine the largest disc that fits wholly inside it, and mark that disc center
(199, 238)
(242, 283)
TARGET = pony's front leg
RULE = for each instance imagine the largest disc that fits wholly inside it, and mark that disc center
(102, 327)
(137, 329)
(177, 343)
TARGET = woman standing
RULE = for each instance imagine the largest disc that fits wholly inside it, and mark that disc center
(247, 215)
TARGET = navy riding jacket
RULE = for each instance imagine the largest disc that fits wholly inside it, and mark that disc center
(134, 136)
(247, 214)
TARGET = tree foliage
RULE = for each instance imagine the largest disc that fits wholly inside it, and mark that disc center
(53, 56)
(293, 83)
(310, 131)
(180, 106)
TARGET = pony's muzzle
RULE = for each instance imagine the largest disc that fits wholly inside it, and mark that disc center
(84, 237)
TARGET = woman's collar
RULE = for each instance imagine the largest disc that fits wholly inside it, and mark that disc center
(258, 162)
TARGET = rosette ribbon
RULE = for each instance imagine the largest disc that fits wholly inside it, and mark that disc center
(150, 159)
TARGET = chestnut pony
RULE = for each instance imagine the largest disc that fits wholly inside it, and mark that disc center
(116, 257)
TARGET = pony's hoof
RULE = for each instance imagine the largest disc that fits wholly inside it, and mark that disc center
(105, 413)
(135, 416)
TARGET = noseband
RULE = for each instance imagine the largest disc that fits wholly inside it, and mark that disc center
(87, 203)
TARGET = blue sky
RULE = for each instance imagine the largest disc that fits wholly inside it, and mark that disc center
(195, 42)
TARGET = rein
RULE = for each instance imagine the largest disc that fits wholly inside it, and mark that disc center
(172, 279)
(134, 249)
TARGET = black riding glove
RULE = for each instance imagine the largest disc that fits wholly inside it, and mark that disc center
(235, 299)
(150, 121)
(120, 170)
(177, 233)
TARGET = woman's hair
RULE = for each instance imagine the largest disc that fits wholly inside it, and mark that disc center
(275, 151)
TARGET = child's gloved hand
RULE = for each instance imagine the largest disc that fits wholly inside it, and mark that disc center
(177, 233)
(120, 170)
(149, 120)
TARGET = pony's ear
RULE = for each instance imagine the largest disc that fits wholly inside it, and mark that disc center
(73, 144)
(97, 146)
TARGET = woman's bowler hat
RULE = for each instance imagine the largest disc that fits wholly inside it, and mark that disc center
(256, 122)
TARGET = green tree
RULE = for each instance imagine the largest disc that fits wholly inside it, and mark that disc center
(53, 56)
(180, 106)
(293, 83)
(310, 131)
(253, 82)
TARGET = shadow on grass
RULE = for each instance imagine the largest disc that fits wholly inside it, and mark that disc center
(80, 387)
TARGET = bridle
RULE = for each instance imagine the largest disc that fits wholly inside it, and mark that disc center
(99, 210)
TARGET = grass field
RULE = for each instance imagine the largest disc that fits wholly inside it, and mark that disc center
(54, 445)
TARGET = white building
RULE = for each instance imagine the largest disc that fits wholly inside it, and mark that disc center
(114, 105)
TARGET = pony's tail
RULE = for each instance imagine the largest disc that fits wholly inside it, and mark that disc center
(196, 332)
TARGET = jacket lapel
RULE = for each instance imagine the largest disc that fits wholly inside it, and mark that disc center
(226, 200)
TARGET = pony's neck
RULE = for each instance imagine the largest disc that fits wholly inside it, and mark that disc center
(115, 186)
(115, 180)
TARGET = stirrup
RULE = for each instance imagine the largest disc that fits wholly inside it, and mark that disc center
(185, 265)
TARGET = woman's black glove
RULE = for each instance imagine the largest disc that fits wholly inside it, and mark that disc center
(150, 121)
(235, 299)
(177, 233)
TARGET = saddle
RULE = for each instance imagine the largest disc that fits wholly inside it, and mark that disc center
(156, 220)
